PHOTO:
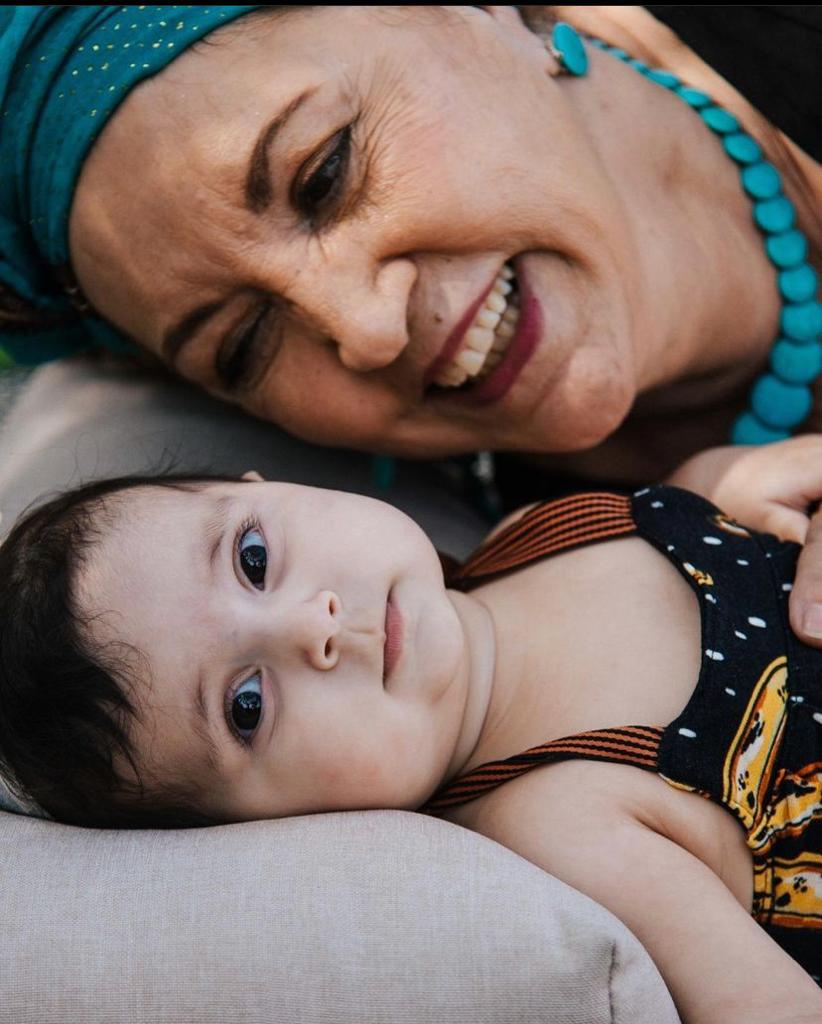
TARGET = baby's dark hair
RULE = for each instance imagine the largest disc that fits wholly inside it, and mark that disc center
(65, 705)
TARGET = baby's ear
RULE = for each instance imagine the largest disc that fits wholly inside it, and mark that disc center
(253, 476)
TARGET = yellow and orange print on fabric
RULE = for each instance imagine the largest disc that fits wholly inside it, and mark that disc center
(749, 763)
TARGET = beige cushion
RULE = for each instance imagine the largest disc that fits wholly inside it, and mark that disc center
(370, 917)
(79, 420)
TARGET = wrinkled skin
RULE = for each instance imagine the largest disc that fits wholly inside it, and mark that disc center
(467, 150)
(657, 304)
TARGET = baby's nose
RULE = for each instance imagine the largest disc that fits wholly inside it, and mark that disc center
(316, 629)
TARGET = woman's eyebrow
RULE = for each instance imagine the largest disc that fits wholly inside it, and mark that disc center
(258, 187)
(257, 194)
(184, 330)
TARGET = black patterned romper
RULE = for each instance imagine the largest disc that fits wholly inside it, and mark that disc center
(750, 737)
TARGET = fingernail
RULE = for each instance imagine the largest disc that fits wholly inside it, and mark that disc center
(812, 621)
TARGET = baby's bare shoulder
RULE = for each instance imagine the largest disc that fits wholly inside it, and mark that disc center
(546, 813)
(599, 828)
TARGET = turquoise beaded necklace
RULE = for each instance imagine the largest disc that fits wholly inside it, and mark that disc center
(781, 398)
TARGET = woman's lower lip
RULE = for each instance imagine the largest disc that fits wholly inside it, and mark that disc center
(393, 637)
(529, 329)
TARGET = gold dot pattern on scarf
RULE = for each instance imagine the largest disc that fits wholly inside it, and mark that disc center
(104, 49)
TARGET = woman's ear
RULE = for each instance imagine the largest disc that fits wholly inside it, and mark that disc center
(253, 476)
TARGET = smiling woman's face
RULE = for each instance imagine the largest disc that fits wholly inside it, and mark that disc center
(306, 214)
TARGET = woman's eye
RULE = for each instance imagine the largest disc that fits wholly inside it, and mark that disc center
(253, 557)
(246, 707)
(327, 179)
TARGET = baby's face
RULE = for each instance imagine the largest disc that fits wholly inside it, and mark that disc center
(304, 636)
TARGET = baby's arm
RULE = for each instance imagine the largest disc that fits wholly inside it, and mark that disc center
(719, 965)
(773, 488)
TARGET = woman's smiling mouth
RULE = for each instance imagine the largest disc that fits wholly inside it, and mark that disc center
(479, 363)
(486, 339)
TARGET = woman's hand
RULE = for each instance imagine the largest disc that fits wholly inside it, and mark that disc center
(774, 488)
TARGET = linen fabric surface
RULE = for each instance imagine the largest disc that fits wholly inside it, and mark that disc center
(64, 70)
(379, 916)
(387, 917)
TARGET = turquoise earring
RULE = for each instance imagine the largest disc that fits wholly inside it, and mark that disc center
(567, 47)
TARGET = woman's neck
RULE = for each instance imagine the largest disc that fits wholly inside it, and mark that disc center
(707, 302)
(635, 30)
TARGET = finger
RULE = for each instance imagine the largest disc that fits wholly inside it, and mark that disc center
(806, 596)
(787, 523)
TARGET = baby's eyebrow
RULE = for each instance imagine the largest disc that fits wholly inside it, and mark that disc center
(214, 530)
(201, 727)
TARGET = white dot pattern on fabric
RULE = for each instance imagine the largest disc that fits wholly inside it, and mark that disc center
(689, 733)
(712, 540)
(657, 504)
(715, 655)
(754, 620)
(787, 587)
(798, 700)
(730, 692)
(741, 636)
(711, 598)
(670, 547)
(645, 490)
(817, 717)
(742, 561)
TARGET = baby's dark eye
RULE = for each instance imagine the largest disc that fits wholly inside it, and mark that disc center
(253, 557)
(247, 706)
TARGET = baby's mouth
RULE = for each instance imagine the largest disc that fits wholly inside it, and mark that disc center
(486, 341)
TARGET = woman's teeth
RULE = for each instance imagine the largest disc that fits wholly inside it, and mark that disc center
(486, 340)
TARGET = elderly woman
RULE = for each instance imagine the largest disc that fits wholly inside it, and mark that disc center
(431, 230)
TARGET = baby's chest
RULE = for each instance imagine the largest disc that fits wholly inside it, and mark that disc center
(613, 635)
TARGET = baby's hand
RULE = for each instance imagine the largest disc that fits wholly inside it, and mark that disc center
(773, 488)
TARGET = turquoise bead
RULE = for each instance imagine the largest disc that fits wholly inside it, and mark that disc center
(568, 43)
(796, 364)
(788, 249)
(693, 97)
(749, 430)
(779, 405)
(719, 120)
(662, 77)
(780, 400)
(742, 148)
(775, 215)
(798, 284)
(761, 181)
(802, 322)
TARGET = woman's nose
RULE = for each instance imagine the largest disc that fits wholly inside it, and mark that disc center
(365, 315)
(313, 629)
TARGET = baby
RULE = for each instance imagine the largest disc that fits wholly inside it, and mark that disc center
(196, 651)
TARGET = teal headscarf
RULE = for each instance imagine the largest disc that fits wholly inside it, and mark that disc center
(63, 72)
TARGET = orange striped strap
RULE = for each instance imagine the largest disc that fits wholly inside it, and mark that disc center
(550, 527)
(636, 745)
